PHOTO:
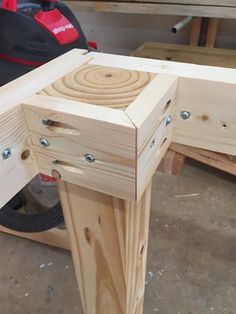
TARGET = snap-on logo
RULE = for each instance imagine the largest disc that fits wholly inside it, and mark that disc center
(62, 29)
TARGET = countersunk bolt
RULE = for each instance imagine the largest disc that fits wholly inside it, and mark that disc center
(44, 142)
(6, 153)
(89, 158)
(168, 120)
(185, 115)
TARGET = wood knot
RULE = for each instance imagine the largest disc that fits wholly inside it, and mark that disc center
(205, 117)
(109, 75)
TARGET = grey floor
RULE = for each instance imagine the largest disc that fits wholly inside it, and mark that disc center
(191, 261)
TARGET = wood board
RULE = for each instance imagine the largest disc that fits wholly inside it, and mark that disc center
(158, 7)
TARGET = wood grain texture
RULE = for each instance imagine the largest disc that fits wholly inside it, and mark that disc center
(103, 86)
(188, 54)
(149, 113)
(212, 124)
(109, 239)
(212, 32)
(15, 172)
(78, 129)
(209, 93)
(54, 237)
(220, 161)
(168, 67)
(159, 8)
(195, 31)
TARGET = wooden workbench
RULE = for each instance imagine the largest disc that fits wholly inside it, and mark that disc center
(100, 124)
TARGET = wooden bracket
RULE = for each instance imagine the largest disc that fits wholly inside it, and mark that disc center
(101, 124)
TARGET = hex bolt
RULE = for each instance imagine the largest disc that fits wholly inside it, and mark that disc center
(168, 120)
(185, 115)
(89, 158)
(6, 153)
(44, 142)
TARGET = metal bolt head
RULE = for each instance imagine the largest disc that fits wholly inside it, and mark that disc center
(44, 142)
(89, 158)
(6, 153)
(45, 121)
(168, 120)
(185, 115)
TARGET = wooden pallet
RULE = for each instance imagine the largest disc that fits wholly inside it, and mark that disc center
(100, 124)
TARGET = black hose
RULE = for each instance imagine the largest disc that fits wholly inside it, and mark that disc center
(15, 220)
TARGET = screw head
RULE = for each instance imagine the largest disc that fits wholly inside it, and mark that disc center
(168, 120)
(6, 153)
(89, 158)
(44, 142)
(45, 121)
(185, 115)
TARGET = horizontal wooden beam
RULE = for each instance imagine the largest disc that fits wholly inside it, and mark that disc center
(54, 237)
(207, 93)
(188, 54)
(18, 170)
(159, 8)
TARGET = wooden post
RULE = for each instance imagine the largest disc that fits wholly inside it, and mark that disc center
(195, 31)
(212, 32)
(109, 238)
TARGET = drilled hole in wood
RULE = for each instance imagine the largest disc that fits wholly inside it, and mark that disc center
(166, 107)
(141, 251)
(163, 142)
(60, 127)
(224, 125)
(153, 143)
(25, 154)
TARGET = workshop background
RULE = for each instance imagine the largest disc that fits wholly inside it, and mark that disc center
(192, 247)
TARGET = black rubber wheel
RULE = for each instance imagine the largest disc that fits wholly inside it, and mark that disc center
(14, 220)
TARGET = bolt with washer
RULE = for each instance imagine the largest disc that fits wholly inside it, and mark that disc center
(89, 158)
(44, 142)
(168, 120)
(6, 153)
(185, 115)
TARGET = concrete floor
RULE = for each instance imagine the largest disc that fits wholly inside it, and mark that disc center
(191, 261)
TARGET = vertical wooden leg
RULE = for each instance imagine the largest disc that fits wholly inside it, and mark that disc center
(195, 31)
(109, 239)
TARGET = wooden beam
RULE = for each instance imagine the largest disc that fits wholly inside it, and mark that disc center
(208, 93)
(220, 161)
(78, 129)
(17, 171)
(188, 54)
(154, 133)
(212, 32)
(195, 31)
(54, 237)
(154, 8)
(109, 238)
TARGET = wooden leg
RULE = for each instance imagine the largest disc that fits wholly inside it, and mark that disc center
(195, 31)
(172, 163)
(109, 239)
(212, 32)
